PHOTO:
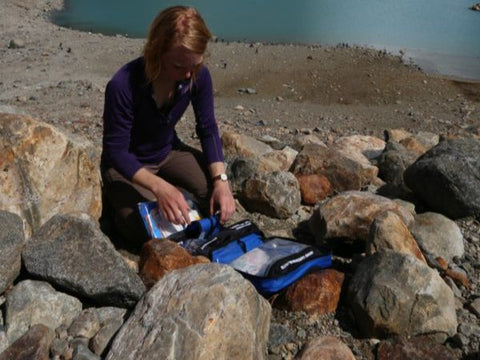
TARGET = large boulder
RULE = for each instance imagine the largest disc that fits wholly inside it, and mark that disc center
(12, 239)
(342, 172)
(275, 194)
(45, 172)
(240, 145)
(397, 294)
(389, 232)
(350, 214)
(205, 311)
(361, 149)
(447, 178)
(36, 302)
(161, 256)
(72, 253)
(317, 293)
(438, 236)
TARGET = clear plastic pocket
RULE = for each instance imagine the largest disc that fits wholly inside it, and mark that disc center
(258, 262)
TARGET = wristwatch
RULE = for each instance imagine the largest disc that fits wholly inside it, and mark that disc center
(221, 176)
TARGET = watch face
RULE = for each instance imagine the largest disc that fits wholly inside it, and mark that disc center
(223, 177)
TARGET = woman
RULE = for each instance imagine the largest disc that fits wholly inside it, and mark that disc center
(142, 158)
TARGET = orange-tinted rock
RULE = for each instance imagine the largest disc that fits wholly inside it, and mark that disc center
(316, 293)
(389, 232)
(326, 348)
(413, 145)
(458, 277)
(160, 256)
(313, 188)
(34, 344)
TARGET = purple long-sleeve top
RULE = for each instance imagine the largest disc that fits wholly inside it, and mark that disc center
(136, 132)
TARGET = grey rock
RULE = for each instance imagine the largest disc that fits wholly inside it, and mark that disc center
(393, 293)
(239, 171)
(104, 336)
(3, 341)
(205, 311)
(72, 253)
(447, 178)
(109, 313)
(86, 324)
(35, 302)
(474, 307)
(393, 162)
(16, 44)
(12, 239)
(437, 235)
(275, 194)
(82, 352)
(59, 347)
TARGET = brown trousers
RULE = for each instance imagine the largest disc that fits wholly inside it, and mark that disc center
(184, 167)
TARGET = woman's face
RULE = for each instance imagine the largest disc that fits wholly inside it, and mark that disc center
(179, 63)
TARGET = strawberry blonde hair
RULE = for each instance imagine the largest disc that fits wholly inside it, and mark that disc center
(174, 26)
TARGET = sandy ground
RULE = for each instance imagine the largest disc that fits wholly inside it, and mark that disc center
(59, 75)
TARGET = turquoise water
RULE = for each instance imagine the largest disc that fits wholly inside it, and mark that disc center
(441, 36)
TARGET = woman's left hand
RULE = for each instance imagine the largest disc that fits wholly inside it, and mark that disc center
(222, 200)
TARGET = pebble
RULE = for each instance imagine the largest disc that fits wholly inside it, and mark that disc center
(16, 44)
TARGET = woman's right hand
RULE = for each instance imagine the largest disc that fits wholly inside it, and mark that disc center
(171, 202)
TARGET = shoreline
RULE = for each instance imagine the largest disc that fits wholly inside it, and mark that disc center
(459, 67)
(59, 74)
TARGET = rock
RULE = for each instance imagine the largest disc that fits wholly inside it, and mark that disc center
(36, 160)
(206, 311)
(447, 177)
(302, 140)
(12, 239)
(104, 336)
(361, 149)
(277, 160)
(413, 146)
(316, 293)
(239, 171)
(36, 302)
(34, 344)
(474, 307)
(159, 257)
(438, 236)
(59, 348)
(111, 320)
(396, 135)
(16, 44)
(396, 294)
(275, 194)
(275, 143)
(238, 145)
(82, 352)
(326, 348)
(393, 162)
(342, 172)
(313, 188)
(415, 348)
(427, 139)
(350, 215)
(389, 232)
(72, 253)
(86, 324)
